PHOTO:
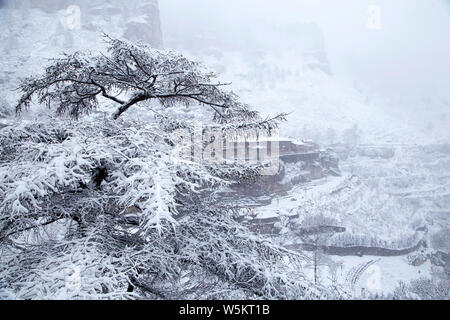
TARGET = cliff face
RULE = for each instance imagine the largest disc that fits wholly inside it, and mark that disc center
(35, 30)
(138, 19)
(149, 30)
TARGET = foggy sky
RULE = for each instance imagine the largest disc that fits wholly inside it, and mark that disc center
(407, 56)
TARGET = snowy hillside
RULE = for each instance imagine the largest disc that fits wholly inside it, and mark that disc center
(394, 152)
(35, 31)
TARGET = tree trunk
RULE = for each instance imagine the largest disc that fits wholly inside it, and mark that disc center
(132, 101)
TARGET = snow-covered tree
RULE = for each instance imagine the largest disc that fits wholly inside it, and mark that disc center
(99, 207)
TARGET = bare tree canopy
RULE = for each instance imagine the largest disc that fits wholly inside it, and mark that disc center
(136, 71)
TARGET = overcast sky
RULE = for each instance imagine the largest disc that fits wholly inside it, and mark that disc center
(389, 46)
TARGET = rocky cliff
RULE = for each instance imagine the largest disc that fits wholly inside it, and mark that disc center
(137, 19)
(34, 31)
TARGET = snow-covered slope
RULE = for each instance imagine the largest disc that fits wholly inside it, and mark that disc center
(35, 31)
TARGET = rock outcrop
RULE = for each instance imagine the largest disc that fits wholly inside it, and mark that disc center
(37, 30)
(133, 19)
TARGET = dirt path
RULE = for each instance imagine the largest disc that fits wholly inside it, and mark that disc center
(358, 250)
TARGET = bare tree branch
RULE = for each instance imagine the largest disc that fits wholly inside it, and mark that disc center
(137, 71)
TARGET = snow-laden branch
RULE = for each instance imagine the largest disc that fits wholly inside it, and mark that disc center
(74, 83)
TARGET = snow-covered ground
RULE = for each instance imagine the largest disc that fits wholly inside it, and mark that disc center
(298, 197)
(382, 202)
(382, 274)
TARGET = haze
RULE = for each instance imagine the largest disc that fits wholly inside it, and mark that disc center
(405, 57)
